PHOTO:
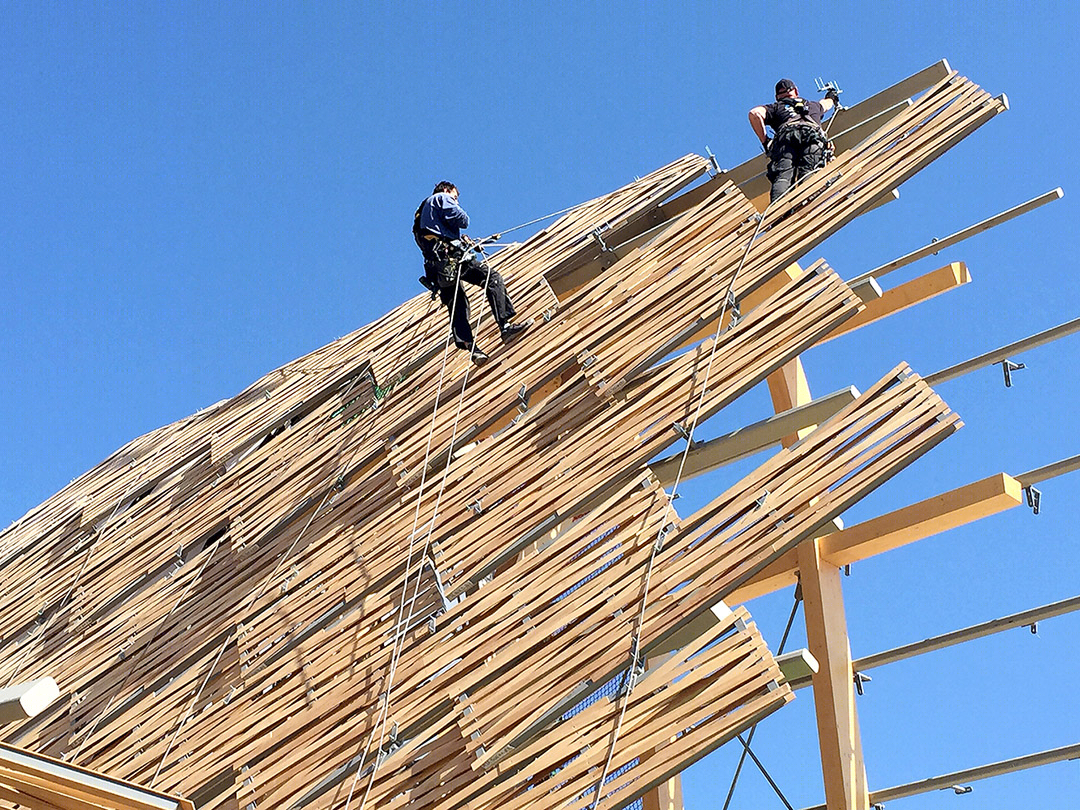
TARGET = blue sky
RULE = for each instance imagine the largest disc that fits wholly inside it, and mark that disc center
(195, 194)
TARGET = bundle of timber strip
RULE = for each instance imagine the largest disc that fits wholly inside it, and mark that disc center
(221, 599)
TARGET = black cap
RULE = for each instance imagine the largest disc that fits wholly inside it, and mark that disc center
(784, 85)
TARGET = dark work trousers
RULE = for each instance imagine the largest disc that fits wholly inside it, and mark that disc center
(797, 151)
(475, 271)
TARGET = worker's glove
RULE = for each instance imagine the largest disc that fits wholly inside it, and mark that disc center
(766, 145)
(833, 95)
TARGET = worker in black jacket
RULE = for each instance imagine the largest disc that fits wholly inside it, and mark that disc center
(798, 145)
(437, 227)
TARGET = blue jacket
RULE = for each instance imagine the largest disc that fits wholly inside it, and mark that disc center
(440, 214)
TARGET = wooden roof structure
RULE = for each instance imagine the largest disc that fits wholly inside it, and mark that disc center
(381, 576)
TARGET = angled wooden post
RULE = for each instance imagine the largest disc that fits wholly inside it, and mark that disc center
(842, 765)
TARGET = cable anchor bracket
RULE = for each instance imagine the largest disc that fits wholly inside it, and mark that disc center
(1007, 368)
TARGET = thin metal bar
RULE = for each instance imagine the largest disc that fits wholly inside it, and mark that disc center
(1005, 352)
(972, 774)
(1049, 471)
(960, 236)
(1022, 619)
(765, 773)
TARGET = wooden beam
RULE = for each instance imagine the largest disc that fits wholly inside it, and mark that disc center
(710, 455)
(932, 516)
(897, 93)
(906, 295)
(842, 765)
(834, 697)
(894, 529)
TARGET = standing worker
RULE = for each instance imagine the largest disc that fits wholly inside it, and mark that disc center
(437, 228)
(798, 146)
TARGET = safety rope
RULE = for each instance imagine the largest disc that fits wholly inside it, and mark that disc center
(635, 660)
(404, 619)
(80, 572)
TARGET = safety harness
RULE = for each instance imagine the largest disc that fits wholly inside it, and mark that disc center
(441, 255)
(807, 125)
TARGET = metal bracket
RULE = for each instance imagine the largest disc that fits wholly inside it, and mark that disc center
(681, 429)
(959, 790)
(860, 679)
(1034, 498)
(1007, 368)
(548, 314)
(760, 502)
(392, 745)
(715, 164)
(635, 673)
(824, 87)
(732, 303)
(661, 536)
(523, 398)
(600, 241)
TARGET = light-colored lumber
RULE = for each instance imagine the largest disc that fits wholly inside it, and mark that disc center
(899, 298)
(926, 518)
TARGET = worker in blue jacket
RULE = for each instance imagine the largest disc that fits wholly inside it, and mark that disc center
(437, 227)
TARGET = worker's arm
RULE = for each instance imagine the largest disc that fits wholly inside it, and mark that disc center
(827, 104)
(450, 212)
(757, 123)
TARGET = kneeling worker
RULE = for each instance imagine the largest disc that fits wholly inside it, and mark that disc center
(437, 228)
(798, 147)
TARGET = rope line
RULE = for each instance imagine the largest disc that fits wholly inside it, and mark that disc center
(635, 661)
(402, 625)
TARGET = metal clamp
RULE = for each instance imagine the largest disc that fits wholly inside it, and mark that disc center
(860, 679)
(1034, 499)
(661, 536)
(712, 160)
(732, 304)
(1007, 368)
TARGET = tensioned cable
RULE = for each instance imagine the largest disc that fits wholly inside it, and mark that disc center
(402, 626)
(636, 639)
(753, 728)
(635, 661)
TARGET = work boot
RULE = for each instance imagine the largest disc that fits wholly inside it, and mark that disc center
(478, 356)
(509, 331)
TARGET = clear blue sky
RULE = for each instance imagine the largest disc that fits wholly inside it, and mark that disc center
(195, 194)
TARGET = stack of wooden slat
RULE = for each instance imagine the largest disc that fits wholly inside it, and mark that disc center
(380, 576)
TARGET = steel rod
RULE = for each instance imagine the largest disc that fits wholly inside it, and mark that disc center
(960, 236)
(1022, 619)
(1049, 471)
(1004, 352)
(972, 774)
